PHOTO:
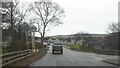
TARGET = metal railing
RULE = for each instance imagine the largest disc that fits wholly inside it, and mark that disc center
(14, 56)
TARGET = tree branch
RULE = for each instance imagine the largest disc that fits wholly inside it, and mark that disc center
(40, 14)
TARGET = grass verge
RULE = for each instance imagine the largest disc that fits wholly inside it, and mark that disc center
(78, 47)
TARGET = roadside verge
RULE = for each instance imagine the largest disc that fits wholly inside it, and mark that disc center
(103, 58)
(28, 60)
(112, 61)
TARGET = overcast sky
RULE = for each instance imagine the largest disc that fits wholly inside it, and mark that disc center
(92, 16)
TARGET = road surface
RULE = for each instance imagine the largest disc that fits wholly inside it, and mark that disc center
(69, 58)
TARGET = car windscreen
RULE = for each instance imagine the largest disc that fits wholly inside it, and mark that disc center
(57, 44)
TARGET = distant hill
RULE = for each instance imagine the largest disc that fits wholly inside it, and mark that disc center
(72, 35)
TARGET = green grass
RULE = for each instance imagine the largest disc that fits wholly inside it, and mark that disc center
(75, 46)
(5, 50)
(78, 47)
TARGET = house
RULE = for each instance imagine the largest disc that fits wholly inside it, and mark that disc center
(56, 41)
(50, 40)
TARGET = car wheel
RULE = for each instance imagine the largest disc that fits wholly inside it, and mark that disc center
(61, 51)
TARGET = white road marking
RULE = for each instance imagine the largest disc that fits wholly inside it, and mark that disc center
(95, 58)
(72, 61)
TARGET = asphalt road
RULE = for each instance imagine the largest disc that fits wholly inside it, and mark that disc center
(69, 58)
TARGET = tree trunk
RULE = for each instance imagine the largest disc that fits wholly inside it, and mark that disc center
(42, 37)
(12, 24)
(42, 40)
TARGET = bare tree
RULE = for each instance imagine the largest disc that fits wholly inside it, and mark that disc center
(49, 13)
(113, 28)
(13, 14)
(13, 18)
(113, 37)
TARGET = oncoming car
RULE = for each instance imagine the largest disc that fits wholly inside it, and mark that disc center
(57, 47)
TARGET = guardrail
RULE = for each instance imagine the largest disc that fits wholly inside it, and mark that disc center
(14, 56)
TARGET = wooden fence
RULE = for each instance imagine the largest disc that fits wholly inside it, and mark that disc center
(14, 56)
